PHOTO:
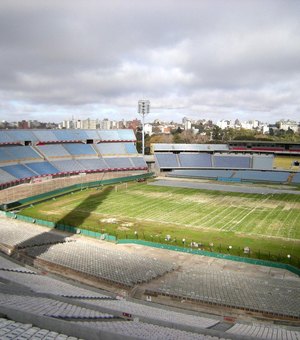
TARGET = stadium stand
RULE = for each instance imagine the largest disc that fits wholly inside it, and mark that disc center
(231, 162)
(262, 162)
(78, 149)
(108, 135)
(10, 329)
(37, 296)
(243, 175)
(111, 148)
(68, 165)
(167, 160)
(109, 265)
(296, 178)
(235, 290)
(263, 176)
(138, 162)
(42, 168)
(45, 135)
(93, 164)
(58, 152)
(68, 135)
(20, 136)
(19, 171)
(30, 236)
(198, 160)
(5, 138)
(6, 177)
(118, 162)
(261, 331)
(18, 153)
(54, 151)
(189, 147)
(212, 174)
(130, 148)
(92, 135)
(5, 155)
(126, 135)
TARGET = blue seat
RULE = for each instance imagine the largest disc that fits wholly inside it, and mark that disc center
(191, 160)
(54, 150)
(232, 162)
(130, 148)
(166, 160)
(79, 149)
(19, 171)
(138, 162)
(111, 148)
(118, 162)
(42, 168)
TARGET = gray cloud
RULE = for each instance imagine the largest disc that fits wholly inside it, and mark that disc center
(195, 58)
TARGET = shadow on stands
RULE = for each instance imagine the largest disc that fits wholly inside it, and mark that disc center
(74, 218)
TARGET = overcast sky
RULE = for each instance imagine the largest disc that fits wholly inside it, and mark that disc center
(195, 58)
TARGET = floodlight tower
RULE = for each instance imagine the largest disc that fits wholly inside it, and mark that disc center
(143, 110)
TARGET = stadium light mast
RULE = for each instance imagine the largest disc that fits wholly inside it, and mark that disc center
(143, 110)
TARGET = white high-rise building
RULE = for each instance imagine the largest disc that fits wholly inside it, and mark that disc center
(288, 124)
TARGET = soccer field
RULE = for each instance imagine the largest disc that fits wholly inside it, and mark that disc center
(266, 223)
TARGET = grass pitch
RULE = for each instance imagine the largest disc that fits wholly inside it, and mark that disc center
(268, 224)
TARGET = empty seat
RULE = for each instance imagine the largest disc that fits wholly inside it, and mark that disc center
(263, 162)
(138, 162)
(266, 176)
(167, 160)
(21, 135)
(191, 160)
(68, 165)
(126, 135)
(78, 149)
(20, 152)
(45, 135)
(93, 164)
(296, 178)
(6, 177)
(231, 161)
(130, 148)
(118, 162)
(214, 174)
(42, 168)
(111, 148)
(109, 135)
(5, 138)
(19, 171)
(54, 150)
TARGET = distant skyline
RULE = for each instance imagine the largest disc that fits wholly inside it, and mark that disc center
(210, 59)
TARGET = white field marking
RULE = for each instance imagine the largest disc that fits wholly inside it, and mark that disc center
(151, 209)
(219, 215)
(277, 215)
(250, 212)
(297, 219)
(154, 213)
(241, 213)
(234, 224)
(262, 226)
(252, 223)
(287, 228)
(213, 212)
(261, 223)
(216, 202)
(291, 227)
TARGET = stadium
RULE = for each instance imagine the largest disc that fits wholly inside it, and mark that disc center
(192, 242)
